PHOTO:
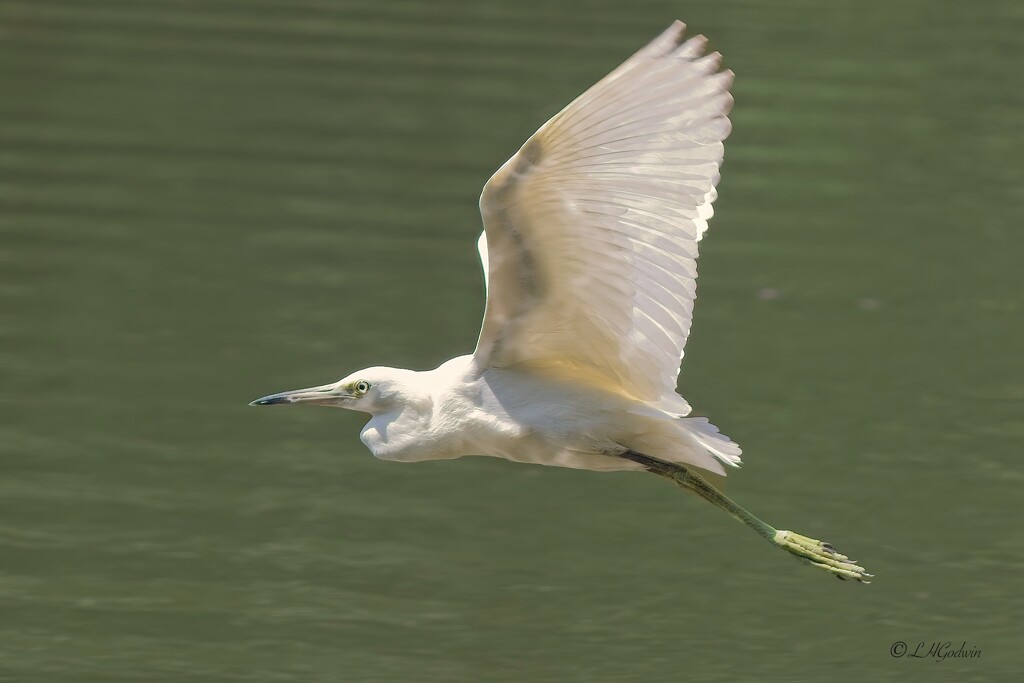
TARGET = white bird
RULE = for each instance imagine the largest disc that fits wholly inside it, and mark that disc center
(589, 253)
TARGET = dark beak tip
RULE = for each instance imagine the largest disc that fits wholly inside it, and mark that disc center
(270, 401)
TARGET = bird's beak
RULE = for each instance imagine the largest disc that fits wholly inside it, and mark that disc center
(326, 395)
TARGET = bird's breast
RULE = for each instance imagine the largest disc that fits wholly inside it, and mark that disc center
(410, 436)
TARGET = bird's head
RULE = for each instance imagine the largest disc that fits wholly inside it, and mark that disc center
(373, 390)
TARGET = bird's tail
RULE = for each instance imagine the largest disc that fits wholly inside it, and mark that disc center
(684, 441)
(721, 447)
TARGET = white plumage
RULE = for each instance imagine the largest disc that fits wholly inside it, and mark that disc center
(590, 257)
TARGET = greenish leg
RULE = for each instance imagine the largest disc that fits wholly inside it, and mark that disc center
(809, 550)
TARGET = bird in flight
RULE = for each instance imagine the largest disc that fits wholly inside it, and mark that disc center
(589, 253)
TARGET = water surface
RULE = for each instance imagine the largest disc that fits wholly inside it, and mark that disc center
(201, 203)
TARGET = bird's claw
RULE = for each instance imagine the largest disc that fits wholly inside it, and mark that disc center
(821, 554)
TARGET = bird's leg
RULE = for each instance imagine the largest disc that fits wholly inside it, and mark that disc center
(809, 550)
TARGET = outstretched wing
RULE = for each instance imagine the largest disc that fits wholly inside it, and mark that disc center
(591, 229)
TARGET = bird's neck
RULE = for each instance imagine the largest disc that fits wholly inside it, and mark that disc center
(417, 424)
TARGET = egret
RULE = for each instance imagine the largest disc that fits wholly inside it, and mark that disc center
(589, 255)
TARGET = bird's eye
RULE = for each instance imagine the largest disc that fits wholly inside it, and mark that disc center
(362, 386)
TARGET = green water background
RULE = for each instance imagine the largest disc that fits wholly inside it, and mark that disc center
(204, 202)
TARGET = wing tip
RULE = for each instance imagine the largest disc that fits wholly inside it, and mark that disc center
(692, 48)
(669, 39)
(728, 77)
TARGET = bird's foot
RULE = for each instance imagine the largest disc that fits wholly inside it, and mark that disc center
(822, 555)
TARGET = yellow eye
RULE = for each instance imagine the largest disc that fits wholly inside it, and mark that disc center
(362, 386)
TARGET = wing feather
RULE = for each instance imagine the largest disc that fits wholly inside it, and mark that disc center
(591, 229)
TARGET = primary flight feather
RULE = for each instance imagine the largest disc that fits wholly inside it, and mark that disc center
(589, 250)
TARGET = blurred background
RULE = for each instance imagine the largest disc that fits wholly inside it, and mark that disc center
(202, 202)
